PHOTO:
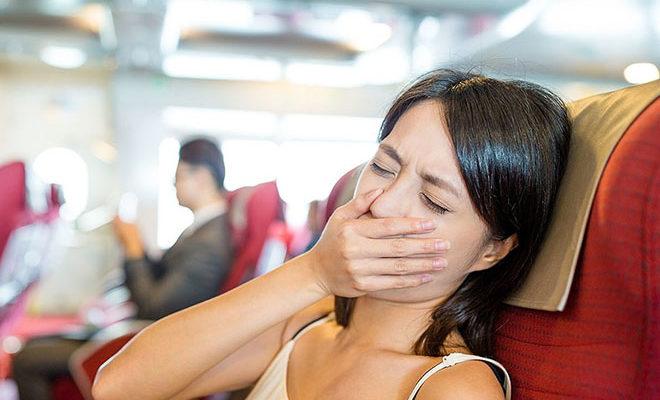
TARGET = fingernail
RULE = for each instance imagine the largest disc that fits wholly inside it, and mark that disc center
(439, 263)
(426, 278)
(441, 245)
(427, 225)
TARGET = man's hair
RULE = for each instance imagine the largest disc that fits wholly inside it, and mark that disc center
(206, 153)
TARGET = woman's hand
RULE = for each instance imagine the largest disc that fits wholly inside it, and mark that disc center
(355, 256)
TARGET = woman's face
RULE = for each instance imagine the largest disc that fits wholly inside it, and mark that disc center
(416, 166)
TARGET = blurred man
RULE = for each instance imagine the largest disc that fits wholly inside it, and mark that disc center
(191, 271)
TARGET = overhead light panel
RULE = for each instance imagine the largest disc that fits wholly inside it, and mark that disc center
(230, 67)
(254, 124)
(63, 57)
(641, 73)
(322, 74)
(593, 18)
(211, 14)
(360, 31)
(312, 127)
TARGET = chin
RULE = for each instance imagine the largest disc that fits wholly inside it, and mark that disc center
(421, 294)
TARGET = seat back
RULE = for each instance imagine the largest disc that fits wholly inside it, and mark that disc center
(342, 191)
(276, 248)
(252, 210)
(27, 233)
(12, 201)
(606, 342)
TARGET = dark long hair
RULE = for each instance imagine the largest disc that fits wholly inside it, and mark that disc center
(511, 140)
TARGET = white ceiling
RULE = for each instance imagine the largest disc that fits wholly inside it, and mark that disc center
(583, 38)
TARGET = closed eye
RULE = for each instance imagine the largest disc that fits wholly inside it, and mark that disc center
(378, 170)
(433, 206)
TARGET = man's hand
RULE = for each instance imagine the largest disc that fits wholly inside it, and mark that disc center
(129, 237)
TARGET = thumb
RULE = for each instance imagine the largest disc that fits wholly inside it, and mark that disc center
(359, 205)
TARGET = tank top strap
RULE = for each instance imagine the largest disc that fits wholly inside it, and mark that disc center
(456, 358)
(313, 324)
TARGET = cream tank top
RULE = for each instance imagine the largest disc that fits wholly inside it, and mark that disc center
(272, 384)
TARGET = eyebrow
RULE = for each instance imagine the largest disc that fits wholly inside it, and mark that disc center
(433, 180)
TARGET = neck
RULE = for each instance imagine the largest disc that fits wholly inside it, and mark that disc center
(209, 199)
(387, 325)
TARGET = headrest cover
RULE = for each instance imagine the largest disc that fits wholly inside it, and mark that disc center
(598, 124)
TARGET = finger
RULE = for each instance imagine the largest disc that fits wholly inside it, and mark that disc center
(384, 282)
(403, 247)
(383, 227)
(404, 266)
(358, 205)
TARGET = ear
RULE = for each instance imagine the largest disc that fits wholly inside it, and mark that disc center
(494, 251)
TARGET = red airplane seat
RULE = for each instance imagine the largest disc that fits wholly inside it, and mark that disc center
(605, 344)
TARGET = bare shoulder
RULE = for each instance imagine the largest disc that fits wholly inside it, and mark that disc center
(307, 315)
(469, 380)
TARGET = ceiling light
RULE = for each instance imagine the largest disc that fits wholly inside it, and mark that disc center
(231, 122)
(322, 74)
(63, 57)
(211, 14)
(641, 73)
(360, 31)
(342, 128)
(429, 28)
(104, 151)
(521, 18)
(231, 67)
(595, 18)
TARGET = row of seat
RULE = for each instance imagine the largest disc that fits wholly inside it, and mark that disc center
(26, 237)
(27, 230)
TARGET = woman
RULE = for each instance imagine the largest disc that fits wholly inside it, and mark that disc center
(446, 221)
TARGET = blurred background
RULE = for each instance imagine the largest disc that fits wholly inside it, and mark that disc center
(95, 96)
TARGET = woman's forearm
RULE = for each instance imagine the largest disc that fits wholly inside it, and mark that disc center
(353, 257)
(168, 355)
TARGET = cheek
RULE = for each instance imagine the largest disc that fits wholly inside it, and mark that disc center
(183, 190)
(466, 237)
(466, 246)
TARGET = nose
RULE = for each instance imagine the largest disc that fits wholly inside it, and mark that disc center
(393, 202)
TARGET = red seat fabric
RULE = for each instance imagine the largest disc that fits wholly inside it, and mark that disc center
(338, 195)
(66, 389)
(15, 213)
(606, 343)
(12, 201)
(252, 211)
(84, 364)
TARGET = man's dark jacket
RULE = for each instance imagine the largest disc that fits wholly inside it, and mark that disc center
(190, 271)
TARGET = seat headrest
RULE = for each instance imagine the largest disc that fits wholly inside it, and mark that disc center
(598, 124)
